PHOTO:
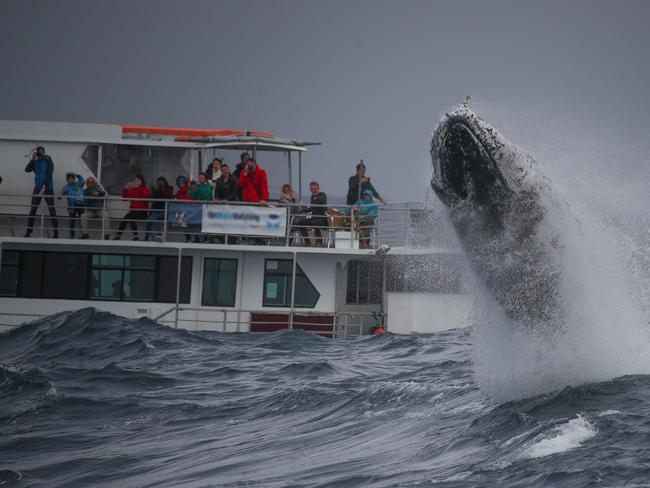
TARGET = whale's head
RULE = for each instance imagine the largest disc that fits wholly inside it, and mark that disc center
(472, 163)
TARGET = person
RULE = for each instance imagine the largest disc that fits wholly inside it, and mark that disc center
(366, 215)
(42, 166)
(182, 194)
(253, 183)
(157, 214)
(243, 159)
(315, 214)
(94, 199)
(359, 183)
(288, 199)
(213, 173)
(225, 188)
(74, 191)
(138, 191)
(202, 190)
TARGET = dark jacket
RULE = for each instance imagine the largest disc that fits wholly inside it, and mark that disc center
(226, 190)
(43, 169)
(94, 198)
(167, 193)
(319, 199)
(353, 190)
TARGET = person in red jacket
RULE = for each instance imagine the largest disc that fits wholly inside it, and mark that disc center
(253, 182)
(138, 209)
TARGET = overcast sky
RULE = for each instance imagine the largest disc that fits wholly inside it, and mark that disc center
(367, 78)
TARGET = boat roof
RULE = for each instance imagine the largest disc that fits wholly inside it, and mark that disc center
(147, 135)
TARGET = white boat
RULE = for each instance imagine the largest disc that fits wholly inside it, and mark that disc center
(261, 277)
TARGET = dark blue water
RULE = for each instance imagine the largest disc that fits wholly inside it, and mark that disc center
(91, 399)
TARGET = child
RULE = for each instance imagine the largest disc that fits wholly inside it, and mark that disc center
(74, 191)
(366, 215)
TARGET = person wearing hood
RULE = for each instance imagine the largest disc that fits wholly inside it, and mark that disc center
(74, 191)
(366, 212)
(162, 191)
(42, 166)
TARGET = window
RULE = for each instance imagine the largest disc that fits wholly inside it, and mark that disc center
(90, 156)
(277, 285)
(83, 276)
(9, 273)
(116, 277)
(365, 282)
(219, 282)
(166, 280)
(424, 273)
(64, 275)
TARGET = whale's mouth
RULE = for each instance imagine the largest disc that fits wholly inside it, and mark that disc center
(463, 168)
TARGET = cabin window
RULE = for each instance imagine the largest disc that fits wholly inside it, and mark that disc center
(121, 163)
(166, 280)
(83, 276)
(277, 285)
(64, 276)
(219, 282)
(364, 283)
(90, 156)
(9, 273)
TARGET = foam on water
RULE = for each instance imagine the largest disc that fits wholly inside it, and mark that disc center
(567, 436)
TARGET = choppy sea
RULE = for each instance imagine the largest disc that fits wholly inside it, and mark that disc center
(91, 399)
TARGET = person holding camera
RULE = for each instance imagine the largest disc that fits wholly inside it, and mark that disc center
(43, 168)
(253, 183)
(358, 184)
(138, 208)
(74, 191)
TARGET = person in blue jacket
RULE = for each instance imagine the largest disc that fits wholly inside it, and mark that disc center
(366, 213)
(74, 191)
(43, 167)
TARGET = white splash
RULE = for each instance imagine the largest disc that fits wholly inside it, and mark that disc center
(570, 435)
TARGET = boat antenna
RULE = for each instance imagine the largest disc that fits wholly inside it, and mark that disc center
(250, 120)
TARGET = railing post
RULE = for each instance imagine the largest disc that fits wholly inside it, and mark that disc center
(165, 215)
(42, 200)
(178, 285)
(293, 289)
(104, 212)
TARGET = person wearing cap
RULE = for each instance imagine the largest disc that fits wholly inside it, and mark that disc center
(94, 199)
(74, 191)
(358, 184)
(42, 166)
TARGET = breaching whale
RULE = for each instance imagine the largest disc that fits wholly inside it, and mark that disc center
(504, 213)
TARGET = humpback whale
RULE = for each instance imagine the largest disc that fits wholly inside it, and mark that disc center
(504, 213)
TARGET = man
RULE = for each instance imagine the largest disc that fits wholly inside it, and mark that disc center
(157, 214)
(315, 214)
(202, 191)
(94, 199)
(74, 191)
(359, 183)
(43, 168)
(253, 183)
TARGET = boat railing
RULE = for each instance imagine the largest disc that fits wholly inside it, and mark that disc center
(341, 325)
(215, 222)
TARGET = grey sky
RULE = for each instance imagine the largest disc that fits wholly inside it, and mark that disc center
(367, 78)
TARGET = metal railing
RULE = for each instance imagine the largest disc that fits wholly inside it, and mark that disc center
(339, 226)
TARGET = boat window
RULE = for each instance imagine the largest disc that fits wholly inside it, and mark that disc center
(121, 163)
(90, 157)
(426, 273)
(166, 280)
(364, 283)
(64, 275)
(116, 277)
(31, 274)
(277, 285)
(9, 273)
(219, 282)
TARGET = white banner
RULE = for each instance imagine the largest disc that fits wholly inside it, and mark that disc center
(245, 220)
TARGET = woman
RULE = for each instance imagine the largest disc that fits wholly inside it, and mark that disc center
(162, 191)
(181, 194)
(225, 188)
(138, 192)
(213, 173)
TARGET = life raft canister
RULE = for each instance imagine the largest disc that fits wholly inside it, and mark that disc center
(378, 330)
